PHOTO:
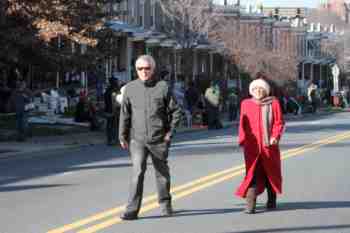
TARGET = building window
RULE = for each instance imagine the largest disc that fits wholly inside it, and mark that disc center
(142, 12)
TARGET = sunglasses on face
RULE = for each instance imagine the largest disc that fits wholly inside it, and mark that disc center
(146, 68)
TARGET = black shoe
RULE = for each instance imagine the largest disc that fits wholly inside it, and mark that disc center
(271, 198)
(129, 216)
(271, 203)
(166, 210)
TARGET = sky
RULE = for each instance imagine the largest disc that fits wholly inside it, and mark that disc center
(277, 3)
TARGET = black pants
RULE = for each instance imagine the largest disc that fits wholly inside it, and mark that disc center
(213, 117)
(112, 129)
(139, 152)
(253, 183)
(21, 125)
(232, 110)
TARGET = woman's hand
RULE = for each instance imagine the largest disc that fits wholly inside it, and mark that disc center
(273, 141)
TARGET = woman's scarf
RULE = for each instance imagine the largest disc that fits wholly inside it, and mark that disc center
(267, 117)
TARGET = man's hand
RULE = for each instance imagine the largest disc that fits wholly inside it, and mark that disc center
(124, 145)
(273, 141)
(167, 137)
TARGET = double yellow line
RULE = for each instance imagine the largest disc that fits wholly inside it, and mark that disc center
(184, 190)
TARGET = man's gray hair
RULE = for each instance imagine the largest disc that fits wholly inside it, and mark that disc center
(147, 58)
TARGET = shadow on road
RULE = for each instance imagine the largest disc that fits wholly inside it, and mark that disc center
(196, 212)
(297, 229)
(12, 171)
(288, 206)
(26, 187)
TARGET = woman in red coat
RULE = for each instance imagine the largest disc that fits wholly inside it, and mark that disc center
(261, 127)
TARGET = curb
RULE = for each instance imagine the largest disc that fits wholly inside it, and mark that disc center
(14, 153)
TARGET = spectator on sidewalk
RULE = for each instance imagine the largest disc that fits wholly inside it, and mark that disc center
(190, 102)
(260, 129)
(120, 96)
(22, 99)
(148, 117)
(212, 103)
(191, 96)
(202, 113)
(313, 96)
(345, 96)
(112, 111)
(5, 94)
(232, 105)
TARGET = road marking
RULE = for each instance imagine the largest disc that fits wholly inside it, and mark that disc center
(189, 188)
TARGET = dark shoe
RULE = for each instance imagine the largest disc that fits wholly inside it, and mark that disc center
(129, 216)
(251, 201)
(271, 202)
(271, 205)
(271, 198)
(166, 210)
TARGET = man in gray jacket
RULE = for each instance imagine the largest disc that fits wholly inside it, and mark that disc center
(148, 117)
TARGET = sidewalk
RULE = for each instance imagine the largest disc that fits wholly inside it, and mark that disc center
(40, 144)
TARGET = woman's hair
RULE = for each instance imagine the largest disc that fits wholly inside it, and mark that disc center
(259, 83)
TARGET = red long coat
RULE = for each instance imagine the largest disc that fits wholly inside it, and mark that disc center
(263, 160)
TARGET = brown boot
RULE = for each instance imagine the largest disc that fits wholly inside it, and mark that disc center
(271, 198)
(251, 201)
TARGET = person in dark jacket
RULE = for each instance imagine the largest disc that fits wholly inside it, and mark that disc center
(148, 118)
(112, 111)
(22, 98)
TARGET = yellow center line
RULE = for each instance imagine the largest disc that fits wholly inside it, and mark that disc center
(150, 202)
(146, 200)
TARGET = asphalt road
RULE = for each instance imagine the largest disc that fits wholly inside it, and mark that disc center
(84, 189)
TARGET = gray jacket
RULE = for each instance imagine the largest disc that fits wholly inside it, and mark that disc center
(148, 112)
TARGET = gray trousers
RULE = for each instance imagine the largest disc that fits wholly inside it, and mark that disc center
(139, 152)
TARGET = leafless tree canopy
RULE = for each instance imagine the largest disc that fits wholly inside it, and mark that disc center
(338, 45)
(326, 18)
(188, 19)
(250, 47)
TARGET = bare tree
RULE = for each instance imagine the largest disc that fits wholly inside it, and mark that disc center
(251, 48)
(189, 19)
(337, 44)
(188, 22)
(326, 18)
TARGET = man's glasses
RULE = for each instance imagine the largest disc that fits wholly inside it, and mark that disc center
(147, 68)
